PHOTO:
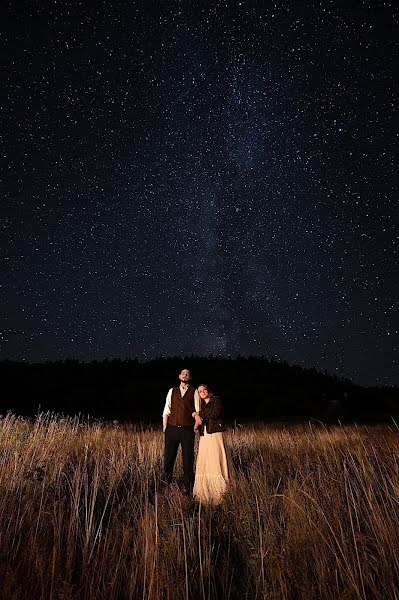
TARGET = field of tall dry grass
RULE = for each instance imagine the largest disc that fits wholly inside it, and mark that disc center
(312, 513)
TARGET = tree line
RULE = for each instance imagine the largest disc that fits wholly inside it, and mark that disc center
(252, 388)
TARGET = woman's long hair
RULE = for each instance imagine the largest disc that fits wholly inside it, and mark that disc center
(211, 394)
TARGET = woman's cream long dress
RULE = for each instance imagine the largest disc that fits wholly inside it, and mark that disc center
(212, 469)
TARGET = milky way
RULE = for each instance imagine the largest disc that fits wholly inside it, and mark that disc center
(202, 178)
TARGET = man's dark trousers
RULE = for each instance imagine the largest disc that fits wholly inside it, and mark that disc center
(174, 436)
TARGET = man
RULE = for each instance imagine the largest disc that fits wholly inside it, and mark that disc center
(178, 426)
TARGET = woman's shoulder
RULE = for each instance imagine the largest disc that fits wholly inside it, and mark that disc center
(218, 402)
(216, 399)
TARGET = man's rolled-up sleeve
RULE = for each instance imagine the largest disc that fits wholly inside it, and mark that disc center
(168, 404)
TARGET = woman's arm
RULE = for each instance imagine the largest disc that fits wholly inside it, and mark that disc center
(198, 420)
(212, 410)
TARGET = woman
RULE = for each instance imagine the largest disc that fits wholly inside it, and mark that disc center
(212, 471)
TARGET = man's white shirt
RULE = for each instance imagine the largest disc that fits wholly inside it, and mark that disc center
(168, 403)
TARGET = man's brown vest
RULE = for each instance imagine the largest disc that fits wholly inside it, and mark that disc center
(182, 407)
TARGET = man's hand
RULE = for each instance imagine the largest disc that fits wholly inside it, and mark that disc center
(198, 420)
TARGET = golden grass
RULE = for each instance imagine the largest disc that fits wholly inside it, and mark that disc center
(312, 513)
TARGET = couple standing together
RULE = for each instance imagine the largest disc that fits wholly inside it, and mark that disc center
(186, 411)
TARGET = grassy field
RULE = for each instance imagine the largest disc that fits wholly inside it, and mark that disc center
(313, 512)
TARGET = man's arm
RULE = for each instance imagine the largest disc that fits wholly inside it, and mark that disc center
(166, 410)
(198, 420)
(165, 422)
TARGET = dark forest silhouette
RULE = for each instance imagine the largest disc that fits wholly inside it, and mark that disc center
(253, 388)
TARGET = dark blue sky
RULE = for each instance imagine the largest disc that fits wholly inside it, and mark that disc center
(186, 177)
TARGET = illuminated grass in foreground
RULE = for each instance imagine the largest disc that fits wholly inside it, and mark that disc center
(312, 513)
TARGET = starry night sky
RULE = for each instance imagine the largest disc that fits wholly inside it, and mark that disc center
(202, 177)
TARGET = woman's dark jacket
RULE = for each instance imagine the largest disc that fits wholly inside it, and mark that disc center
(212, 415)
